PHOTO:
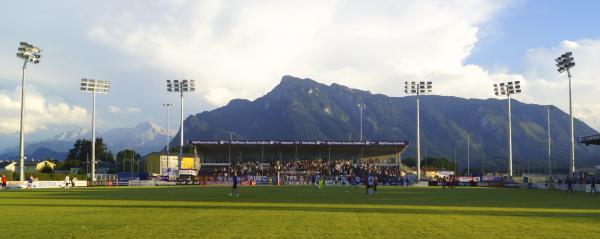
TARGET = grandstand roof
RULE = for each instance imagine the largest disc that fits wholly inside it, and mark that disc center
(590, 139)
(219, 151)
(300, 142)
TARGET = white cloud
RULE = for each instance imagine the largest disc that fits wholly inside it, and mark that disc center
(40, 113)
(547, 86)
(241, 49)
(133, 110)
(117, 109)
(114, 109)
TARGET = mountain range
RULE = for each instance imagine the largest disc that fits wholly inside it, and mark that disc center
(303, 109)
(144, 138)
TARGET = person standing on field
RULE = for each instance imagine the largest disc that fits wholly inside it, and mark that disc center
(569, 185)
(593, 184)
(4, 182)
(67, 182)
(375, 183)
(443, 182)
(234, 181)
(370, 184)
(30, 182)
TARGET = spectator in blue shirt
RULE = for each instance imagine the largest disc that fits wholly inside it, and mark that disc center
(234, 181)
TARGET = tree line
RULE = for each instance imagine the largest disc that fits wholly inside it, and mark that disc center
(80, 157)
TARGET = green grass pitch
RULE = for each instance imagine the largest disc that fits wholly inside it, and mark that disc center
(298, 212)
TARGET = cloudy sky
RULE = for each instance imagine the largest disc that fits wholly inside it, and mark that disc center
(240, 49)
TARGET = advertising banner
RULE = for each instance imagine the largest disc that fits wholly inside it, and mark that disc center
(243, 180)
(277, 142)
(46, 184)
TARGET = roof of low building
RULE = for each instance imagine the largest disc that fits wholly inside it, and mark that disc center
(590, 139)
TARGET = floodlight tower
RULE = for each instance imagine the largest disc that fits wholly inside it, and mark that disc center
(468, 154)
(564, 63)
(100, 87)
(361, 108)
(508, 88)
(548, 108)
(168, 107)
(418, 88)
(181, 86)
(28, 53)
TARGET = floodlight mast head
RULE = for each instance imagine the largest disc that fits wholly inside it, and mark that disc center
(29, 53)
(507, 88)
(565, 62)
(418, 88)
(181, 85)
(95, 86)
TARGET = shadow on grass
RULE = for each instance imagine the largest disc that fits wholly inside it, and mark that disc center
(461, 197)
(401, 211)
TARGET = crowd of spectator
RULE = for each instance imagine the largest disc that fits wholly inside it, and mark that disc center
(324, 168)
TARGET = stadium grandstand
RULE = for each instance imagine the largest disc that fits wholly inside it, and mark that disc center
(590, 139)
(303, 159)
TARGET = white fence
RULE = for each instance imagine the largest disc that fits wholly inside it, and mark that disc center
(45, 184)
(563, 187)
(140, 183)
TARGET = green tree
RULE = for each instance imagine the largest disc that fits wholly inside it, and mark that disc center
(47, 169)
(438, 163)
(128, 160)
(410, 162)
(187, 149)
(80, 154)
(431, 162)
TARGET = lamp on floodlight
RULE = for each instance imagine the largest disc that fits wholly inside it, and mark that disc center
(29, 54)
(564, 63)
(417, 89)
(181, 86)
(508, 88)
(94, 87)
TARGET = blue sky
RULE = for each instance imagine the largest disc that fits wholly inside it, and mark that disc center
(240, 49)
(534, 24)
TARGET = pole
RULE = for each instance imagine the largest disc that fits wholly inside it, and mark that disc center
(229, 147)
(418, 142)
(94, 136)
(572, 168)
(549, 145)
(425, 160)
(468, 155)
(455, 169)
(397, 160)
(482, 161)
(510, 158)
(124, 157)
(22, 131)
(181, 132)
(361, 121)
(168, 129)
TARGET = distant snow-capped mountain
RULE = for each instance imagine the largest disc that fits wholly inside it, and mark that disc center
(144, 138)
(73, 135)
